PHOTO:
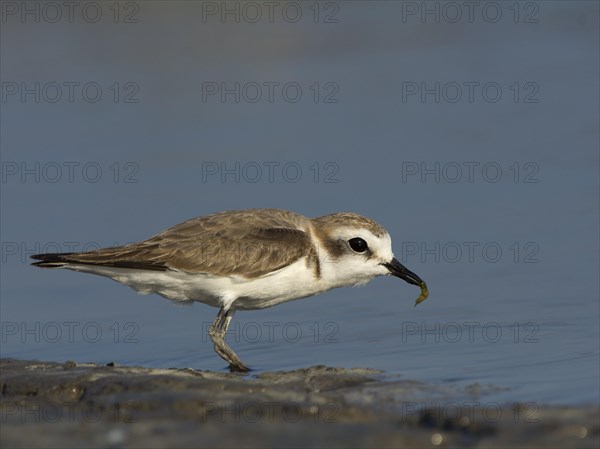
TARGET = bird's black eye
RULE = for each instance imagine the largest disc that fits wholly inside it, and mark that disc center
(357, 244)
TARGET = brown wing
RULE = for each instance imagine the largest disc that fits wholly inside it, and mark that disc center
(247, 243)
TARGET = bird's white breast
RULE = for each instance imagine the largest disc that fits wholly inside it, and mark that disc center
(295, 281)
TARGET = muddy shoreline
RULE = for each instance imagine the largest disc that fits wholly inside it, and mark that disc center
(47, 404)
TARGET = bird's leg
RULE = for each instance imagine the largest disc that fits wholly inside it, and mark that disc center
(217, 332)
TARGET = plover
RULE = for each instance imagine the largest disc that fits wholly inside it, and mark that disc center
(245, 260)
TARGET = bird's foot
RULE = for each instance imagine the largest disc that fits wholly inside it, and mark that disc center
(238, 368)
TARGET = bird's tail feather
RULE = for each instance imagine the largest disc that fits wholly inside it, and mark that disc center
(51, 260)
(118, 257)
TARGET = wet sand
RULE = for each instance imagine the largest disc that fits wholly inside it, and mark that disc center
(46, 404)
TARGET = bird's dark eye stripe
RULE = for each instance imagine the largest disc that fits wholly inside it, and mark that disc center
(357, 244)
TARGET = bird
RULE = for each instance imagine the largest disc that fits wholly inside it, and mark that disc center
(246, 260)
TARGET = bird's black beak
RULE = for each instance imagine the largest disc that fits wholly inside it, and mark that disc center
(399, 270)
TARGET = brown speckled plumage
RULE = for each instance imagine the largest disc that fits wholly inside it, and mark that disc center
(248, 243)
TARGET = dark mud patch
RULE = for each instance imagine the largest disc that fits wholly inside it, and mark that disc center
(45, 404)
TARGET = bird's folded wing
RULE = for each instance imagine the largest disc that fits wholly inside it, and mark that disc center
(211, 246)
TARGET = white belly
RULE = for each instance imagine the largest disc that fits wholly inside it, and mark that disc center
(292, 282)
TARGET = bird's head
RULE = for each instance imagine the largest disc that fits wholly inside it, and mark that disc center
(355, 249)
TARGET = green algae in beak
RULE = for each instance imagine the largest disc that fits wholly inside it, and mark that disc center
(399, 270)
(424, 293)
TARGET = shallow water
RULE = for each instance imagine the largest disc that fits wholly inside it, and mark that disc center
(510, 256)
